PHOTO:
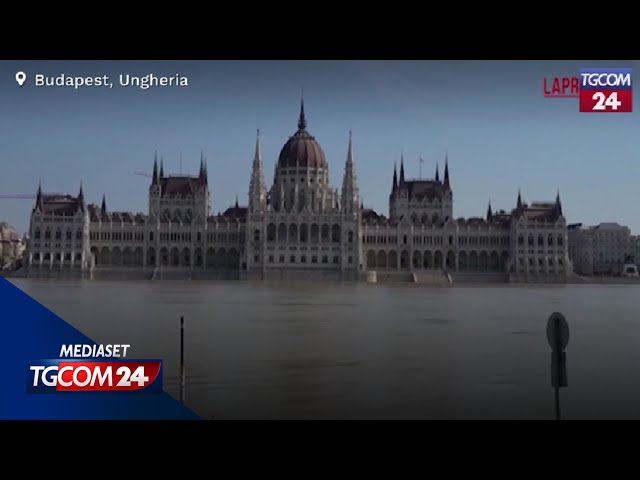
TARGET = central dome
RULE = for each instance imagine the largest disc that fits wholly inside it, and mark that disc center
(301, 150)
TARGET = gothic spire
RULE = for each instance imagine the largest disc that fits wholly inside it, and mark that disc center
(161, 168)
(237, 200)
(446, 172)
(155, 178)
(489, 211)
(558, 203)
(395, 177)
(437, 171)
(349, 183)
(81, 203)
(104, 203)
(39, 199)
(257, 187)
(302, 121)
(402, 168)
(519, 204)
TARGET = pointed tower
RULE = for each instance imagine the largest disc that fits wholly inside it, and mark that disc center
(402, 169)
(201, 174)
(161, 168)
(489, 212)
(446, 173)
(437, 172)
(394, 187)
(257, 187)
(519, 204)
(350, 193)
(81, 202)
(104, 204)
(155, 179)
(39, 200)
(302, 121)
(558, 204)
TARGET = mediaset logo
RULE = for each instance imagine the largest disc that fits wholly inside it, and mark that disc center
(599, 90)
(92, 368)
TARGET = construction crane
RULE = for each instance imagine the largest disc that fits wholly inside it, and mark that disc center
(22, 196)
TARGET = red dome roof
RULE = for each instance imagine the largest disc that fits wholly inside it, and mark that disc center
(302, 150)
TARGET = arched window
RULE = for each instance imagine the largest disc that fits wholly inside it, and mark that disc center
(151, 236)
(530, 240)
(68, 235)
(350, 240)
(550, 240)
(256, 235)
(560, 239)
(37, 234)
(58, 234)
(520, 240)
(540, 240)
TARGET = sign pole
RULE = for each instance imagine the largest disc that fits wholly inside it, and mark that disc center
(558, 338)
(182, 375)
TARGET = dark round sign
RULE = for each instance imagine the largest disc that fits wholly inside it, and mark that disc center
(557, 332)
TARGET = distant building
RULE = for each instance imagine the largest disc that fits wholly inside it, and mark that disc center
(635, 242)
(12, 247)
(600, 250)
(300, 224)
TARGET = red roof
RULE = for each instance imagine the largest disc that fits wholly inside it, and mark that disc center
(60, 205)
(419, 189)
(179, 185)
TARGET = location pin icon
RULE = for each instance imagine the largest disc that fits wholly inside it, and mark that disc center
(21, 77)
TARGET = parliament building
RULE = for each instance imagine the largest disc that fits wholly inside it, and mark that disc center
(300, 226)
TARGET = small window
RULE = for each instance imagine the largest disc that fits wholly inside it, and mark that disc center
(325, 259)
(314, 259)
(57, 256)
(256, 258)
(36, 256)
(350, 259)
(303, 259)
(270, 258)
(281, 258)
(335, 259)
(292, 259)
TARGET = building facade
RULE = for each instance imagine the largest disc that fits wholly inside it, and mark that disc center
(12, 247)
(602, 249)
(301, 224)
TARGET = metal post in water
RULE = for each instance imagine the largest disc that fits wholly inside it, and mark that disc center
(558, 338)
(182, 375)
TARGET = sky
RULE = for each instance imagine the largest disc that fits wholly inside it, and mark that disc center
(489, 117)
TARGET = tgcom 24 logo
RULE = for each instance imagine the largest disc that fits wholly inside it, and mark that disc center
(94, 368)
(599, 90)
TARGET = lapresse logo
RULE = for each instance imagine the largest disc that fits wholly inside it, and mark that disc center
(606, 90)
(599, 90)
(94, 368)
